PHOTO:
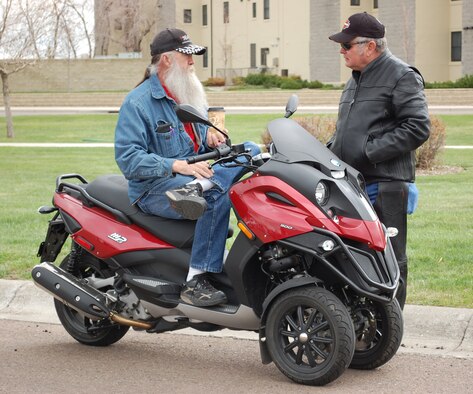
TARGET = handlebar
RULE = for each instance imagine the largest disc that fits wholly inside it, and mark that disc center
(217, 153)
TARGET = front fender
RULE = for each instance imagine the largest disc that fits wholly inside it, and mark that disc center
(290, 284)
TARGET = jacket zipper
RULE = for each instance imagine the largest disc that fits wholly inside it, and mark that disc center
(350, 107)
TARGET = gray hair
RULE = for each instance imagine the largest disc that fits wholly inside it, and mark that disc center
(381, 43)
(153, 67)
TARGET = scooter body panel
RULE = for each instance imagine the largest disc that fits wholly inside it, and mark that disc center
(101, 233)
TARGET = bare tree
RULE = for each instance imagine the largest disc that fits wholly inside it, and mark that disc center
(124, 22)
(67, 28)
(16, 48)
(80, 9)
(135, 24)
(31, 30)
(407, 12)
(226, 53)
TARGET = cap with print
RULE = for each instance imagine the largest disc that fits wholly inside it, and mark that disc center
(359, 25)
(174, 40)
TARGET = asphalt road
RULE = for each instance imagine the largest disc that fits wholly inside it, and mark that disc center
(43, 358)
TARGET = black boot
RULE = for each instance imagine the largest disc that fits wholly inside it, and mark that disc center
(188, 201)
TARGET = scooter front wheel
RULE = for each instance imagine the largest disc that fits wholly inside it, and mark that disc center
(310, 335)
(378, 331)
(81, 328)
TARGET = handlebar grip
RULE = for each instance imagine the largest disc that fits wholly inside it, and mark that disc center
(218, 152)
(202, 157)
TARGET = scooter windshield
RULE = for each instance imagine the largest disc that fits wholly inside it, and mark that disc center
(297, 145)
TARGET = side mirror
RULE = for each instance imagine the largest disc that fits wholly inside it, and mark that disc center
(291, 105)
(189, 114)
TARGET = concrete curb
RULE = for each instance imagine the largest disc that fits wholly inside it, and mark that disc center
(429, 330)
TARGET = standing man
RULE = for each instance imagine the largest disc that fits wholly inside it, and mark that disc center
(151, 147)
(382, 119)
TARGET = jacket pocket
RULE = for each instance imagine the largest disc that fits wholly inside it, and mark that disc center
(358, 151)
(168, 141)
(392, 198)
(163, 128)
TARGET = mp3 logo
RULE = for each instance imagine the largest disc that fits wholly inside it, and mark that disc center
(117, 238)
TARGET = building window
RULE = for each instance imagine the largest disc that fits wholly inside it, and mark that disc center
(354, 2)
(252, 55)
(264, 56)
(254, 10)
(456, 50)
(187, 16)
(226, 12)
(266, 9)
(205, 58)
(204, 15)
(375, 3)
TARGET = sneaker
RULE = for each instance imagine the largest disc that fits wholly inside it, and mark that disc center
(199, 292)
(188, 201)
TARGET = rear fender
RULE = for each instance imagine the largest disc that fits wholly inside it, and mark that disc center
(56, 236)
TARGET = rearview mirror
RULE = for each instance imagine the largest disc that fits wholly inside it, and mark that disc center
(291, 105)
(189, 114)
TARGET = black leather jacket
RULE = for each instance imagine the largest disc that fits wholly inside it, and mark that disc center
(382, 119)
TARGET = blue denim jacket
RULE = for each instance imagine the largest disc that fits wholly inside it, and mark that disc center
(149, 137)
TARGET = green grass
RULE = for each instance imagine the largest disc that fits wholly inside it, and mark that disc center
(65, 128)
(28, 180)
(440, 237)
(459, 129)
(440, 231)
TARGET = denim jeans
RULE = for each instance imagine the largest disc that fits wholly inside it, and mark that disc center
(212, 227)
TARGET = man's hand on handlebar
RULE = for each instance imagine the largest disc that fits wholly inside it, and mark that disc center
(214, 138)
(200, 169)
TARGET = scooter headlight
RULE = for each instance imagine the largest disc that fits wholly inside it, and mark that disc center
(321, 193)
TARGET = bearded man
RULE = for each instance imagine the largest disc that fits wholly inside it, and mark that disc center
(151, 148)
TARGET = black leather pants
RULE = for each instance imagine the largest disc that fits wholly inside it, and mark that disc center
(391, 207)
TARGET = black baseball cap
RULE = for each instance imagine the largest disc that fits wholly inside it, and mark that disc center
(359, 25)
(174, 40)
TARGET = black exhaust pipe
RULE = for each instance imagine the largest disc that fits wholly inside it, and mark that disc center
(71, 291)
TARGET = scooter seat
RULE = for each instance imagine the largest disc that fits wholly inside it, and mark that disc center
(112, 190)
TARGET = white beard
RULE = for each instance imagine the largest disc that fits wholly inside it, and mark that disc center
(186, 87)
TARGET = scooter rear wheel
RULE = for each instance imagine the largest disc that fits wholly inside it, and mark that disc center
(310, 335)
(81, 328)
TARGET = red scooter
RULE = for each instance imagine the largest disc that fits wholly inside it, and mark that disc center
(311, 269)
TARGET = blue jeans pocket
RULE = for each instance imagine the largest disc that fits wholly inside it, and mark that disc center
(412, 199)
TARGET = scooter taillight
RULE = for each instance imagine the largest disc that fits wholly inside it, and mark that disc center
(84, 243)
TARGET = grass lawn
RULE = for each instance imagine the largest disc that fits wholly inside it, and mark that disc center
(440, 232)
(440, 237)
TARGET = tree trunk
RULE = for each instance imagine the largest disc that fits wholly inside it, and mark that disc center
(6, 102)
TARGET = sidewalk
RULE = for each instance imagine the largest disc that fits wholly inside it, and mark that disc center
(230, 108)
(428, 330)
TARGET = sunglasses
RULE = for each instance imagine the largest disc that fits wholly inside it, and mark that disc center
(348, 45)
